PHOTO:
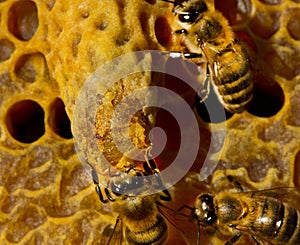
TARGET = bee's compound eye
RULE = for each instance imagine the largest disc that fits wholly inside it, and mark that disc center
(117, 189)
(210, 217)
(137, 182)
(190, 15)
(208, 199)
(188, 18)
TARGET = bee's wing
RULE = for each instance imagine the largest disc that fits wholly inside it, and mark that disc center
(113, 234)
(277, 192)
(284, 194)
(181, 224)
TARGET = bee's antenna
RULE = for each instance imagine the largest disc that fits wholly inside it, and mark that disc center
(168, 1)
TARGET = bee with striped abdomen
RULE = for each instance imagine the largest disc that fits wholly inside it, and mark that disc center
(139, 219)
(265, 215)
(207, 34)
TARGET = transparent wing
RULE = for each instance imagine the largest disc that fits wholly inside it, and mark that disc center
(181, 227)
(285, 194)
(113, 234)
(236, 182)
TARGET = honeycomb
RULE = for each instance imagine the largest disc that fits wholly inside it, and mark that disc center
(49, 48)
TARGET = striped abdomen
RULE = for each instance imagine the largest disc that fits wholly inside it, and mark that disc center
(146, 232)
(233, 81)
(276, 222)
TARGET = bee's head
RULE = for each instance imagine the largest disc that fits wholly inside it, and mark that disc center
(204, 210)
(126, 184)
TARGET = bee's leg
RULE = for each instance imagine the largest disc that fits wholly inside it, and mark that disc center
(114, 230)
(185, 55)
(147, 167)
(167, 197)
(107, 193)
(172, 2)
(234, 238)
(161, 186)
(256, 240)
(167, 1)
(112, 175)
(236, 184)
(205, 90)
(150, 166)
(206, 87)
(181, 31)
(185, 207)
(100, 195)
(97, 187)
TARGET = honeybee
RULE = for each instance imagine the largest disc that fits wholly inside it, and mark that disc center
(207, 34)
(139, 219)
(264, 215)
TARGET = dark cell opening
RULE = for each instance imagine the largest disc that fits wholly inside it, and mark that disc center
(59, 120)
(151, 1)
(213, 114)
(267, 100)
(23, 19)
(25, 121)
(30, 66)
(6, 49)
(163, 31)
(265, 23)
(25, 68)
(297, 170)
(144, 22)
(236, 11)
(293, 25)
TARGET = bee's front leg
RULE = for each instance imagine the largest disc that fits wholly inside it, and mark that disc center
(234, 238)
(181, 31)
(236, 184)
(256, 240)
(98, 188)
